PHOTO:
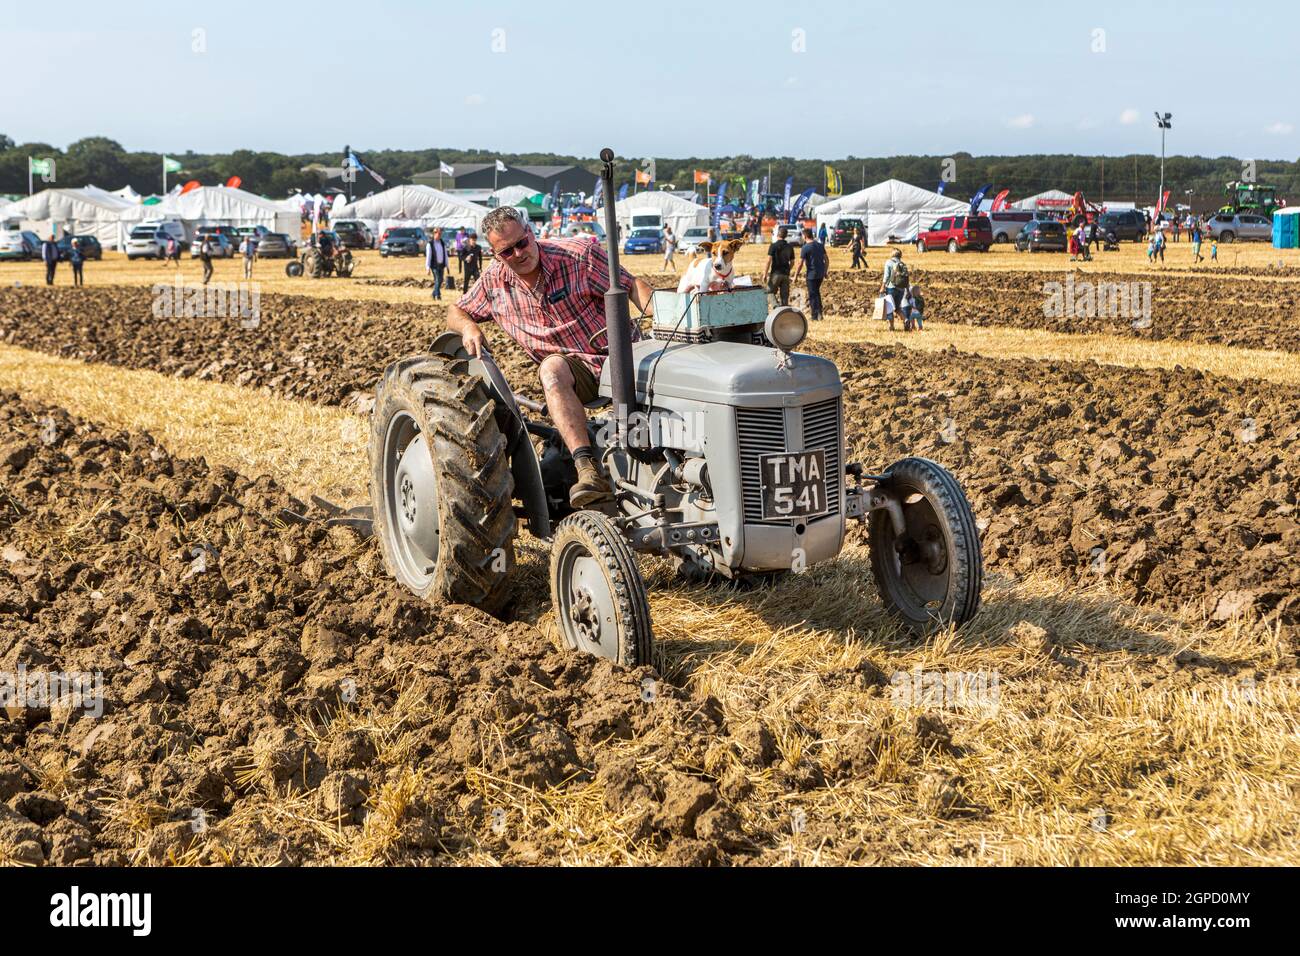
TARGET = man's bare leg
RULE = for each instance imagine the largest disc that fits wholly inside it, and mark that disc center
(562, 402)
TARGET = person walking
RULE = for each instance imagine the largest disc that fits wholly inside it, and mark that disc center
(50, 256)
(173, 250)
(822, 234)
(460, 251)
(250, 253)
(1160, 244)
(1094, 235)
(435, 261)
(894, 283)
(1195, 232)
(77, 260)
(472, 262)
(776, 274)
(813, 255)
(855, 247)
(670, 247)
(205, 256)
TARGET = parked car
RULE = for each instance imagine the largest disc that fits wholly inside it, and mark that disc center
(222, 246)
(1042, 235)
(593, 229)
(689, 241)
(147, 242)
(1229, 227)
(276, 245)
(842, 234)
(643, 241)
(354, 234)
(956, 233)
(89, 246)
(243, 232)
(229, 232)
(1124, 224)
(1007, 223)
(405, 241)
(17, 244)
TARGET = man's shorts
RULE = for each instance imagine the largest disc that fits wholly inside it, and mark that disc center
(585, 384)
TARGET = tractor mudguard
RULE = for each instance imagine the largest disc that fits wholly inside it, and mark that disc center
(524, 466)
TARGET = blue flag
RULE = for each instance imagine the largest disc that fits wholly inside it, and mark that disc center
(555, 197)
(622, 192)
(939, 188)
(785, 202)
(799, 203)
(718, 199)
(979, 198)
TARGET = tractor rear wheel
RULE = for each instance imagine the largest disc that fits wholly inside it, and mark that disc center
(597, 591)
(930, 576)
(440, 483)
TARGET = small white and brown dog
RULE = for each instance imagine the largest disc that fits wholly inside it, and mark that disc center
(712, 269)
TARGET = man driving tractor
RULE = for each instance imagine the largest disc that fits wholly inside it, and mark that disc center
(549, 297)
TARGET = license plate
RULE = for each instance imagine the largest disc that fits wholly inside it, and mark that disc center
(794, 484)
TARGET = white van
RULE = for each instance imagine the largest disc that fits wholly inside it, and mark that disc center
(645, 219)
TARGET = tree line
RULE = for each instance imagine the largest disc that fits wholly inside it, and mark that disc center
(1196, 180)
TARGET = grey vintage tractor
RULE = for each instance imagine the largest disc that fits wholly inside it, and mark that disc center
(725, 452)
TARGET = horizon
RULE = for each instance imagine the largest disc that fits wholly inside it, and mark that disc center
(815, 81)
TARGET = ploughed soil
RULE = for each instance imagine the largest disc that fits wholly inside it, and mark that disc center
(1258, 313)
(1176, 487)
(270, 694)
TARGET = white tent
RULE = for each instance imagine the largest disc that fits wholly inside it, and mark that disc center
(678, 213)
(1052, 199)
(512, 195)
(412, 205)
(891, 210)
(84, 212)
(215, 205)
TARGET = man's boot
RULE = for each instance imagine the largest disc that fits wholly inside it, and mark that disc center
(591, 487)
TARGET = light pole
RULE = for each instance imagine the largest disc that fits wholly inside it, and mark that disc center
(1163, 122)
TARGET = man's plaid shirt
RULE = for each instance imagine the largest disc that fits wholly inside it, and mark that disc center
(563, 313)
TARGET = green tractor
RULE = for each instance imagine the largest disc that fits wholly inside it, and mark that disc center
(1250, 197)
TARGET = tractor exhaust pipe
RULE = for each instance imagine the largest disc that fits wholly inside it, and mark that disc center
(618, 317)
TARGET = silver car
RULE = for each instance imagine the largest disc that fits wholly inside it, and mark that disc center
(1227, 227)
(146, 242)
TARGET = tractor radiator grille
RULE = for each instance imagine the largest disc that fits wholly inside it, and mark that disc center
(761, 431)
(821, 429)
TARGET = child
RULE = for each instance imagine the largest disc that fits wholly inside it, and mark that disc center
(1214, 249)
(912, 311)
(1151, 248)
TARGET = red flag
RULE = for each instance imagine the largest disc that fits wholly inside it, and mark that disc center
(234, 182)
(1000, 200)
(192, 184)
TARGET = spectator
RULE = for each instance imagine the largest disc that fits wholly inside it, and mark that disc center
(813, 255)
(913, 307)
(1178, 227)
(1214, 248)
(76, 260)
(670, 247)
(1151, 248)
(756, 225)
(460, 250)
(855, 247)
(250, 253)
(473, 262)
(205, 256)
(776, 274)
(1094, 235)
(173, 250)
(50, 256)
(1160, 244)
(895, 282)
(822, 234)
(435, 260)
(1195, 234)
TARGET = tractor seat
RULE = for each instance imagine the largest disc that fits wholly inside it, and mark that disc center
(596, 403)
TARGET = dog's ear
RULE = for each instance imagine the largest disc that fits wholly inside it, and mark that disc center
(705, 247)
(735, 245)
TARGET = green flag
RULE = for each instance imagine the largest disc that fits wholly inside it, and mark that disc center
(39, 167)
(171, 165)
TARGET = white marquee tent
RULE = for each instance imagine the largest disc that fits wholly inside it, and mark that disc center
(1052, 199)
(215, 205)
(890, 210)
(413, 205)
(89, 211)
(513, 195)
(678, 213)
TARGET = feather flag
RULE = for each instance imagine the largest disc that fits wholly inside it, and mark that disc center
(834, 185)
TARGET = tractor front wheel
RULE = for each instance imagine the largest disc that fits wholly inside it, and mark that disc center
(931, 575)
(440, 483)
(597, 591)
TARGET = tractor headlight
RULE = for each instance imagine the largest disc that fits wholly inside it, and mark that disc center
(786, 327)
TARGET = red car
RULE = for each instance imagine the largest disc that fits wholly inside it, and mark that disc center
(955, 233)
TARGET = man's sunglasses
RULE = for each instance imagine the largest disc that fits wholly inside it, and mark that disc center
(509, 251)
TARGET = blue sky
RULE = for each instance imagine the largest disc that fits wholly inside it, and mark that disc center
(715, 79)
